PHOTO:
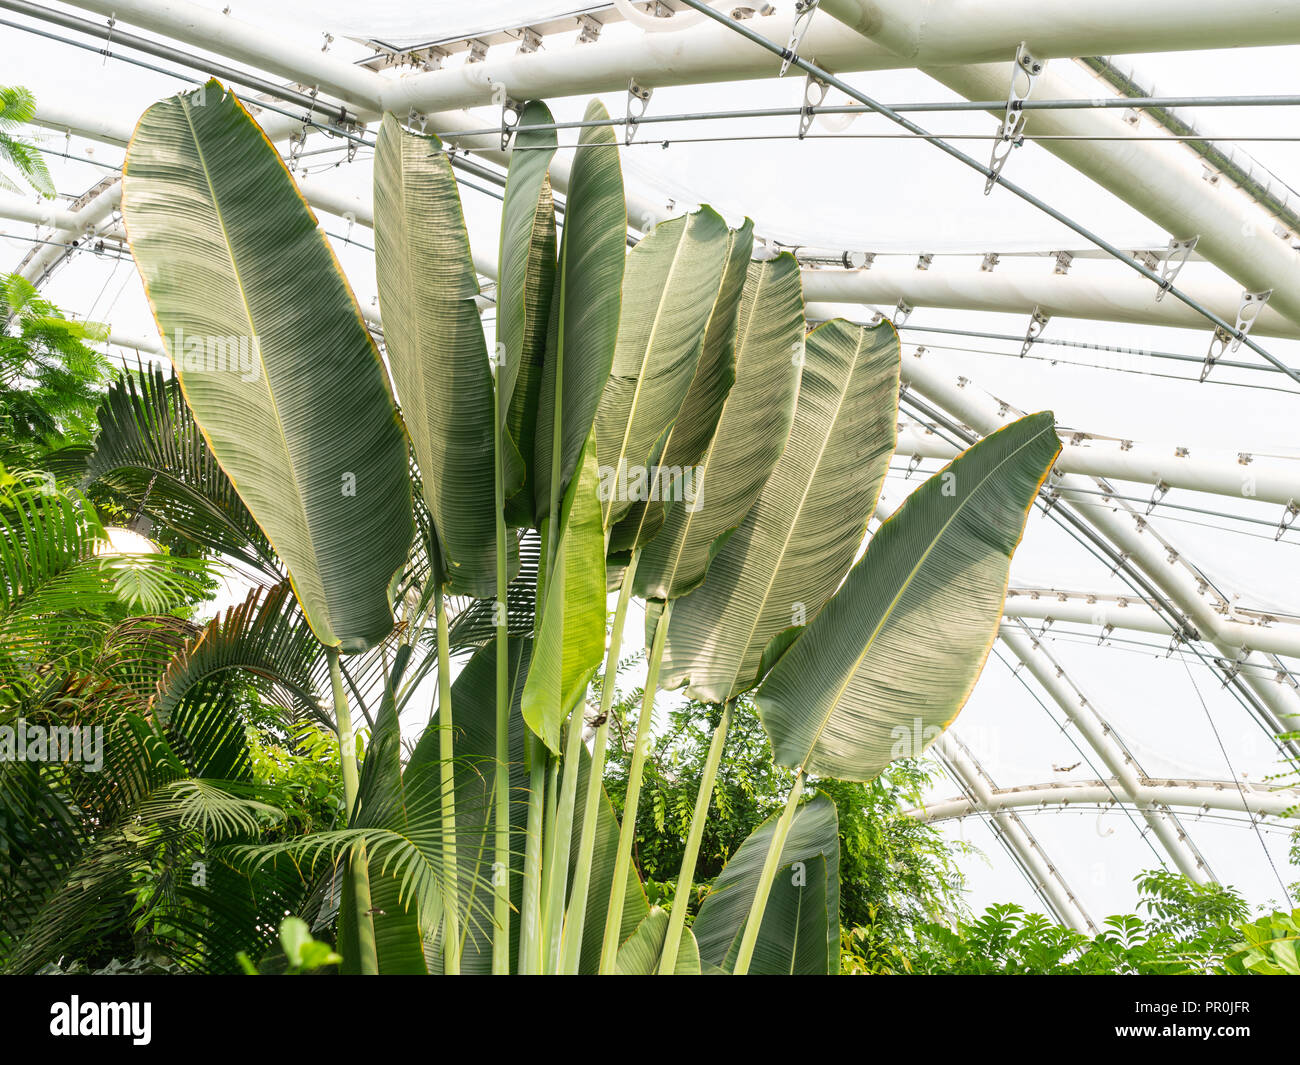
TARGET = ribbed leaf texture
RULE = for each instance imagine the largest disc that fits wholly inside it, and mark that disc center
(797, 542)
(273, 356)
(896, 652)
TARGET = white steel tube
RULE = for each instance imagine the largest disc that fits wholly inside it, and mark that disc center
(1047, 878)
(1120, 297)
(1192, 794)
(1160, 178)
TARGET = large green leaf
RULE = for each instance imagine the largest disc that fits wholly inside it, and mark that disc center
(791, 552)
(897, 651)
(697, 420)
(436, 348)
(751, 434)
(660, 334)
(639, 955)
(571, 638)
(273, 355)
(585, 308)
(525, 283)
(800, 933)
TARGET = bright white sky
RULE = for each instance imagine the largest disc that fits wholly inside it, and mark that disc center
(902, 195)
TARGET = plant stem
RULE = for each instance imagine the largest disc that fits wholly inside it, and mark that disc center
(557, 867)
(576, 915)
(356, 877)
(627, 831)
(686, 878)
(447, 789)
(530, 961)
(501, 818)
(770, 865)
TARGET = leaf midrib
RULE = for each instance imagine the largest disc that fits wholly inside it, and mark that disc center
(907, 583)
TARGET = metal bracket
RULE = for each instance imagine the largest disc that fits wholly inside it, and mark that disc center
(1063, 261)
(1037, 324)
(588, 29)
(912, 465)
(512, 111)
(1175, 257)
(529, 41)
(478, 51)
(803, 13)
(1252, 303)
(638, 99)
(924, 260)
(1288, 519)
(1106, 630)
(1157, 493)
(809, 102)
(1011, 133)
(989, 262)
(902, 313)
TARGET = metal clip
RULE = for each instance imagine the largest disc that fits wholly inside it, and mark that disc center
(1036, 326)
(923, 261)
(512, 111)
(1252, 304)
(529, 41)
(1157, 493)
(1063, 261)
(1106, 630)
(989, 262)
(1288, 518)
(803, 13)
(1175, 257)
(902, 313)
(912, 465)
(638, 99)
(588, 29)
(478, 51)
(1011, 133)
(809, 102)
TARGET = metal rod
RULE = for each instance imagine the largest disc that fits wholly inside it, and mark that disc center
(942, 107)
(996, 178)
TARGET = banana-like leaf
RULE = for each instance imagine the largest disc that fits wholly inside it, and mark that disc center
(900, 645)
(436, 348)
(639, 956)
(793, 549)
(583, 328)
(751, 433)
(697, 420)
(660, 335)
(526, 280)
(571, 639)
(800, 933)
(273, 355)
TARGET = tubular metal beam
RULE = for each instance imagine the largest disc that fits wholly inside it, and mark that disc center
(1269, 480)
(1101, 737)
(1046, 878)
(954, 32)
(1115, 298)
(1129, 532)
(1162, 179)
(1192, 794)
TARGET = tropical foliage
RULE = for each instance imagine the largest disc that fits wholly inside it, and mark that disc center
(658, 424)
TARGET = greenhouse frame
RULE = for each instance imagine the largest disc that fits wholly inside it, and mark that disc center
(417, 416)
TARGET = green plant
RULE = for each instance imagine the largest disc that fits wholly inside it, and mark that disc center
(17, 107)
(610, 366)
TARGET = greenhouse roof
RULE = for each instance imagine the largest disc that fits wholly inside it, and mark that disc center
(1084, 209)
